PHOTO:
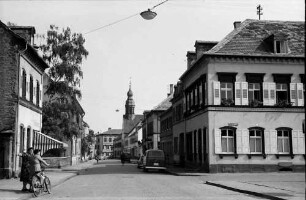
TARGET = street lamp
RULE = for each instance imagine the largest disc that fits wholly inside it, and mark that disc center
(148, 14)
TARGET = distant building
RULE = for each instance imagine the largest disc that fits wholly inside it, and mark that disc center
(133, 143)
(243, 100)
(105, 141)
(130, 120)
(151, 124)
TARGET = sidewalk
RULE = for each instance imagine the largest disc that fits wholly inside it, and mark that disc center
(276, 185)
(11, 188)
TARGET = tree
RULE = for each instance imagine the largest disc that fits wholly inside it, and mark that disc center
(64, 52)
(87, 142)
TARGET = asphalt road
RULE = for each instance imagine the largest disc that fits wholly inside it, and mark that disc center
(109, 180)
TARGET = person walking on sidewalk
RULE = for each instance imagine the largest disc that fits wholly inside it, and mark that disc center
(122, 157)
(25, 174)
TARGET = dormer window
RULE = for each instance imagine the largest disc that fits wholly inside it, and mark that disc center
(280, 46)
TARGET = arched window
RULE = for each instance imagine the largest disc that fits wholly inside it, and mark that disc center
(31, 89)
(37, 92)
(24, 83)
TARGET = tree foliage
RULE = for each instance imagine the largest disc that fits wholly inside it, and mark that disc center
(87, 142)
(64, 51)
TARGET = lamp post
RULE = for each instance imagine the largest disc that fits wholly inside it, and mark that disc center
(149, 14)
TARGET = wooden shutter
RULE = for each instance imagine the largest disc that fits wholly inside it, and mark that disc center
(237, 93)
(272, 99)
(218, 148)
(265, 95)
(184, 104)
(200, 94)
(267, 142)
(216, 93)
(300, 94)
(301, 142)
(293, 94)
(34, 93)
(239, 141)
(28, 87)
(245, 141)
(295, 141)
(40, 95)
(273, 141)
(244, 89)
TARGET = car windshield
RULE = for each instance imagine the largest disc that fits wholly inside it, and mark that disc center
(156, 153)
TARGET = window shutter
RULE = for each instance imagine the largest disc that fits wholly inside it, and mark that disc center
(239, 141)
(216, 92)
(184, 104)
(218, 148)
(40, 95)
(196, 96)
(245, 141)
(34, 94)
(293, 94)
(300, 95)
(301, 142)
(200, 94)
(237, 93)
(295, 141)
(272, 88)
(265, 86)
(244, 89)
(28, 87)
(273, 141)
(267, 142)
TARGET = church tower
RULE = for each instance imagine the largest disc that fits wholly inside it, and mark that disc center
(129, 104)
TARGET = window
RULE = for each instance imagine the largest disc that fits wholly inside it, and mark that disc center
(283, 141)
(227, 140)
(31, 88)
(226, 90)
(280, 46)
(256, 141)
(281, 92)
(254, 92)
(105, 139)
(37, 93)
(110, 139)
(175, 148)
(24, 83)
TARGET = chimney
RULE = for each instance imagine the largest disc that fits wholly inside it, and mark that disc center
(171, 90)
(237, 24)
(109, 128)
(26, 32)
(203, 46)
(191, 56)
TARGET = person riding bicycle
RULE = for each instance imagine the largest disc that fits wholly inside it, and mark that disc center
(37, 165)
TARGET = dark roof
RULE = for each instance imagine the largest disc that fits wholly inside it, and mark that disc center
(129, 124)
(165, 104)
(112, 132)
(250, 38)
(30, 49)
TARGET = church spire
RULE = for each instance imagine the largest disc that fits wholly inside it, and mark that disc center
(129, 104)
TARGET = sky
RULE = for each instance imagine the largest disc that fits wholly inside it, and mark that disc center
(149, 53)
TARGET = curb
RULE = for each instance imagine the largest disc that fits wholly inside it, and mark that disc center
(244, 191)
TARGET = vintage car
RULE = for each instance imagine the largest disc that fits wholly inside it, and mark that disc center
(154, 159)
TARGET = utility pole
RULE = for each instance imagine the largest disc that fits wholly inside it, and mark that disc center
(259, 11)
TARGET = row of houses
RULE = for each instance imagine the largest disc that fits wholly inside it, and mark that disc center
(22, 86)
(238, 107)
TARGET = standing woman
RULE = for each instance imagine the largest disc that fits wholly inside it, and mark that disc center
(25, 174)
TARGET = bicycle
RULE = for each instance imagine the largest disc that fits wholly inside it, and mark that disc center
(39, 188)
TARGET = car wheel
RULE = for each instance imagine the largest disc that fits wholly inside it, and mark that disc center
(145, 169)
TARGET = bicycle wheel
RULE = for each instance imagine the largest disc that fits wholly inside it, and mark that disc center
(36, 186)
(47, 183)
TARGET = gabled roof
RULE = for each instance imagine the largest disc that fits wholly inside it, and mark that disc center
(250, 38)
(112, 132)
(165, 104)
(129, 124)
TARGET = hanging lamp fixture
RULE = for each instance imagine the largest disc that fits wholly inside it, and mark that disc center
(149, 14)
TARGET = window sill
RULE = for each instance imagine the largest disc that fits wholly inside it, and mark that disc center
(284, 155)
(228, 155)
(257, 155)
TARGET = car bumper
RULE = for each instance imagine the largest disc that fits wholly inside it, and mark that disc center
(153, 167)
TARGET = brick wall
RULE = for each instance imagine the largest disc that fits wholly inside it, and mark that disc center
(8, 81)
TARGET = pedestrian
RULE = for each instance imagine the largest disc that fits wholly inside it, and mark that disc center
(37, 164)
(122, 157)
(25, 174)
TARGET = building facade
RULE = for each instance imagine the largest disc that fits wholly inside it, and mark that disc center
(21, 70)
(244, 100)
(105, 141)
(166, 135)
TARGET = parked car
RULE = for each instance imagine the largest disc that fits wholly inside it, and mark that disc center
(127, 157)
(154, 159)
